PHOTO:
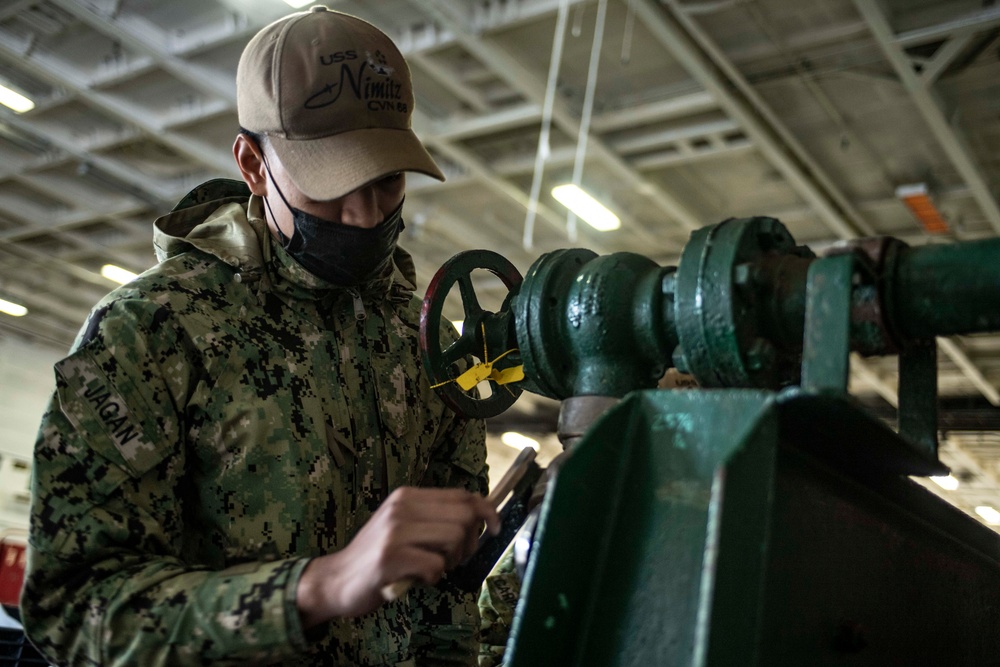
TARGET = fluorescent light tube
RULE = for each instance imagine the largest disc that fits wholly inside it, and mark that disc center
(588, 209)
(298, 3)
(117, 274)
(15, 100)
(518, 441)
(989, 514)
(14, 309)
(948, 482)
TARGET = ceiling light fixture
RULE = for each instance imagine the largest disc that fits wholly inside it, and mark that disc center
(297, 3)
(117, 274)
(949, 482)
(588, 209)
(917, 198)
(518, 441)
(989, 514)
(13, 309)
(15, 100)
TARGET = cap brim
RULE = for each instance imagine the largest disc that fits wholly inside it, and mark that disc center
(333, 166)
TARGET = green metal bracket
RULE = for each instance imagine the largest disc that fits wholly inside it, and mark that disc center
(827, 340)
(918, 410)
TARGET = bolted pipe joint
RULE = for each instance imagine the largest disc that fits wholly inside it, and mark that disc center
(737, 286)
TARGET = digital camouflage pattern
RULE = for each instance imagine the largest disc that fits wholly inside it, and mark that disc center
(220, 420)
(497, 604)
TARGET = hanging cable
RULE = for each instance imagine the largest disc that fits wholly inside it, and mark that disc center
(543, 136)
(588, 108)
(626, 57)
(577, 27)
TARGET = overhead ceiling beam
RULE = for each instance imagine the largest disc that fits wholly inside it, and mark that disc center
(59, 309)
(491, 15)
(669, 108)
(41, 331)
(528, 84)
(88, 248)
(986, 18)
(948, 137)
(641, 141)
(969, 369)
(450, 129)
(449, 80)
(529, 114)
(86, 201)
(143, 37)
(689, 154)
(57, 73)
(104, 254)
(932, 68)
(46, 261)
(479, 170)
(664, 150)
(863, 371)
(680, 35)
(65, 230)
(455, 233)
(16, 7)
(235, 26)
(150, 191)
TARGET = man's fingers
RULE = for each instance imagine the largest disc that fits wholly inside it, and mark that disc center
(450, 540)
(445, 522)
(422, 565)
(490, 516)
(444, 505)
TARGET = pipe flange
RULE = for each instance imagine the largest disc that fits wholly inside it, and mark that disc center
(722, 342)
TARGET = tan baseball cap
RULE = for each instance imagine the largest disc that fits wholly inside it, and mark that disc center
(333, 95)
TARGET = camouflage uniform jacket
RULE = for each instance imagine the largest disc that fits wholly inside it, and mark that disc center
(219, 421)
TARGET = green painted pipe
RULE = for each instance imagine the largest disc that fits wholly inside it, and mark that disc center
(944, 290)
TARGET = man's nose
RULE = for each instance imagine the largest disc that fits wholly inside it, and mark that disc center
(360, 208)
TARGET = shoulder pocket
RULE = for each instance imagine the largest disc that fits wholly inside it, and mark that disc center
(110, 413)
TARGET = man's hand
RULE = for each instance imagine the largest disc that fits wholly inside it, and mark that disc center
(417, 533)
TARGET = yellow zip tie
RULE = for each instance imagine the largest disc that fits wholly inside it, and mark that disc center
(485, 371)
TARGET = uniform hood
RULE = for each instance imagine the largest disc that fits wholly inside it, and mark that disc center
(205, 220)
(215, 218)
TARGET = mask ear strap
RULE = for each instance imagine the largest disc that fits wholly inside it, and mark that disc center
(281, 236)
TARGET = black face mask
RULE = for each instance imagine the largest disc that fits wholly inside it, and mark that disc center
(341, 254)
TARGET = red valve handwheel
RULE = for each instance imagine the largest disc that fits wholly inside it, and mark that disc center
(483, 332)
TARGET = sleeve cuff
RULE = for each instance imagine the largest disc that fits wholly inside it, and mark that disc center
(297, 636)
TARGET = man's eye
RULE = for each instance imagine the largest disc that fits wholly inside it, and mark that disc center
(392, 178)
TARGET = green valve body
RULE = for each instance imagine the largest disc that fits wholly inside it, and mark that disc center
(589, 325)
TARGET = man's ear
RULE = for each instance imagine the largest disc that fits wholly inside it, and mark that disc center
(251, 164)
